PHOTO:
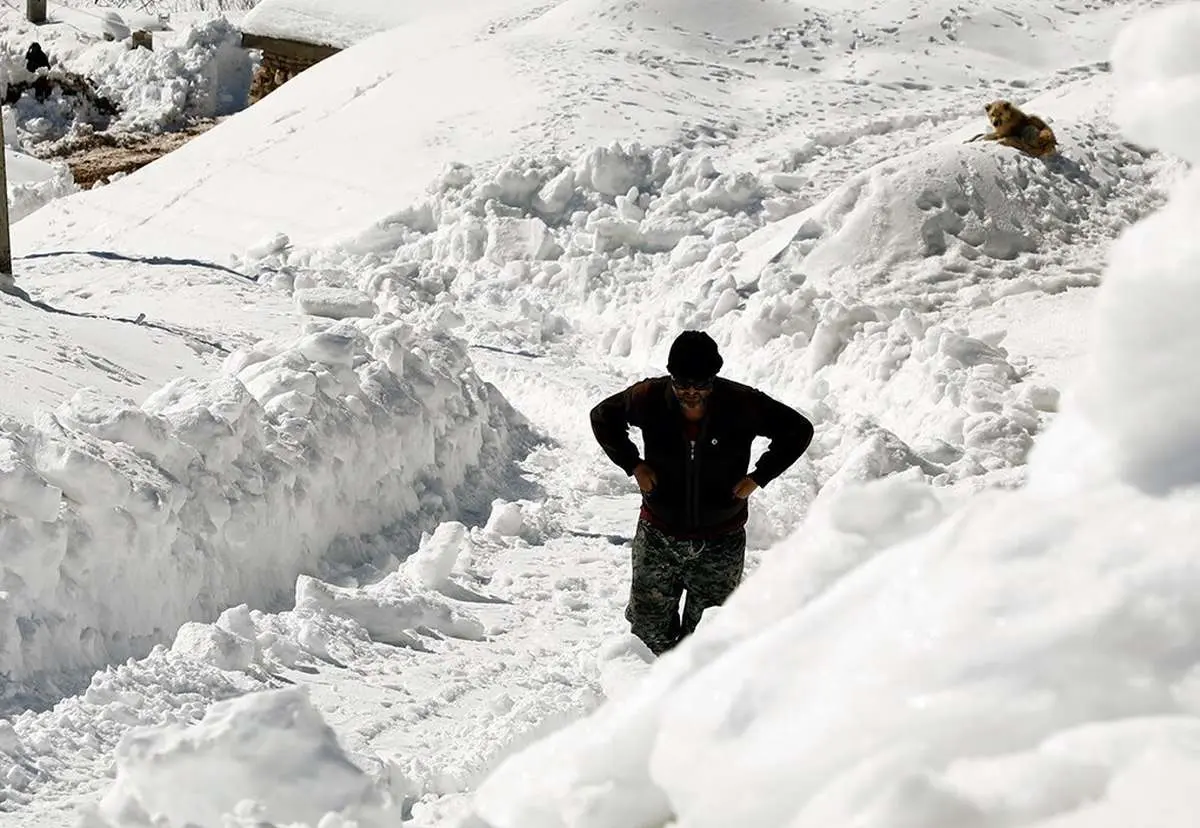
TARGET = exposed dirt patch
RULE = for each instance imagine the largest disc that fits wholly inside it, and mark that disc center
(98, 156)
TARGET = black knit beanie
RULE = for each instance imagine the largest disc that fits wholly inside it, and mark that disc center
(694, 356)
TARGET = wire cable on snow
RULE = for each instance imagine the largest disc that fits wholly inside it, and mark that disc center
(140, 320)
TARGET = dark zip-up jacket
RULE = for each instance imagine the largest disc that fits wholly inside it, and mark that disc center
(695, 484)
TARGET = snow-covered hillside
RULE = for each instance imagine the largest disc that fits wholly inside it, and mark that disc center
(694, 75)
(330, 519)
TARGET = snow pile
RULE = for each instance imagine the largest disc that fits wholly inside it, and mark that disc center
(328, 623)
(33, 184)
(434, 560)
(954, 219)
(1138, 412)
(121, 523)
(266, 758)
(631, 245)
(1022, 658)
(330, 22)
(199, 72)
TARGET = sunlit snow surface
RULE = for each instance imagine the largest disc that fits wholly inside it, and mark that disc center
(364, 553)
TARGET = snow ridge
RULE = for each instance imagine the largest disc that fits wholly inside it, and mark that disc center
(121, 524)
(625, 246)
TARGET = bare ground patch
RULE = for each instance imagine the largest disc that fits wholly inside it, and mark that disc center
(100, 155)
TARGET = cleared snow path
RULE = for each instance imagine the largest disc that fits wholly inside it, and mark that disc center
(431, 711)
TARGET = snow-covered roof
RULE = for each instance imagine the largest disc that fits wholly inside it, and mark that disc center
(338, 23)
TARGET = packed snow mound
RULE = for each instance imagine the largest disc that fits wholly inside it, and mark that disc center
(1023, 658)
(32, 184)
(265, 758)
(119, 523)
(954, 216)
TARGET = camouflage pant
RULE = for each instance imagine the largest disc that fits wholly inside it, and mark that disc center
(663, 567)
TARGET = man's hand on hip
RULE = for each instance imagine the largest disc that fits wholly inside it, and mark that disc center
(744, 488)
(646, 479)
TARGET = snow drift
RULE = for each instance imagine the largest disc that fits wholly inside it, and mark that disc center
(119, 524)
(954, 219)
(1024, 658)
(629, 245)
(32, 184)
(265, 755)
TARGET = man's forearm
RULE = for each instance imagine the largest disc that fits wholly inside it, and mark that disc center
(610, 425)
(790, 433)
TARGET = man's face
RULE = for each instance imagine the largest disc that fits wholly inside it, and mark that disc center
(691, 393)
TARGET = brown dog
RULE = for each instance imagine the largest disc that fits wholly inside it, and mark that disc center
(1013, 128)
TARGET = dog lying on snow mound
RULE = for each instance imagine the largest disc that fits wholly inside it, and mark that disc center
(1013, 128)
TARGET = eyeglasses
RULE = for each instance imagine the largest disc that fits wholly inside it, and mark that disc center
(693, 384)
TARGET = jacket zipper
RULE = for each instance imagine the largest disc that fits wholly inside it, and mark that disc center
(693, 505)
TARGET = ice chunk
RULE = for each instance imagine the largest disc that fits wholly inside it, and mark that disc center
(335, 303)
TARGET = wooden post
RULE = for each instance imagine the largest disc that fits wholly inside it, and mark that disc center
(35, 10)
(6, 267)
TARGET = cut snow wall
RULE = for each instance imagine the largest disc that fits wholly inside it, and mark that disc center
(118, 524)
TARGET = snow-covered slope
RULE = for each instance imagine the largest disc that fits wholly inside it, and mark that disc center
(794, 182)
(360, 135)
(47, 357)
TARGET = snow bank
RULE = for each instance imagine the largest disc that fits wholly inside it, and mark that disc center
(628, 245)
(121, 523)
(265, 757)
(1023, 658)
(33, 184)
(199, 72)
(953, 217)
(1137, 417)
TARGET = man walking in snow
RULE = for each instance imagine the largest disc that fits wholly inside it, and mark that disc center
(697, 430)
